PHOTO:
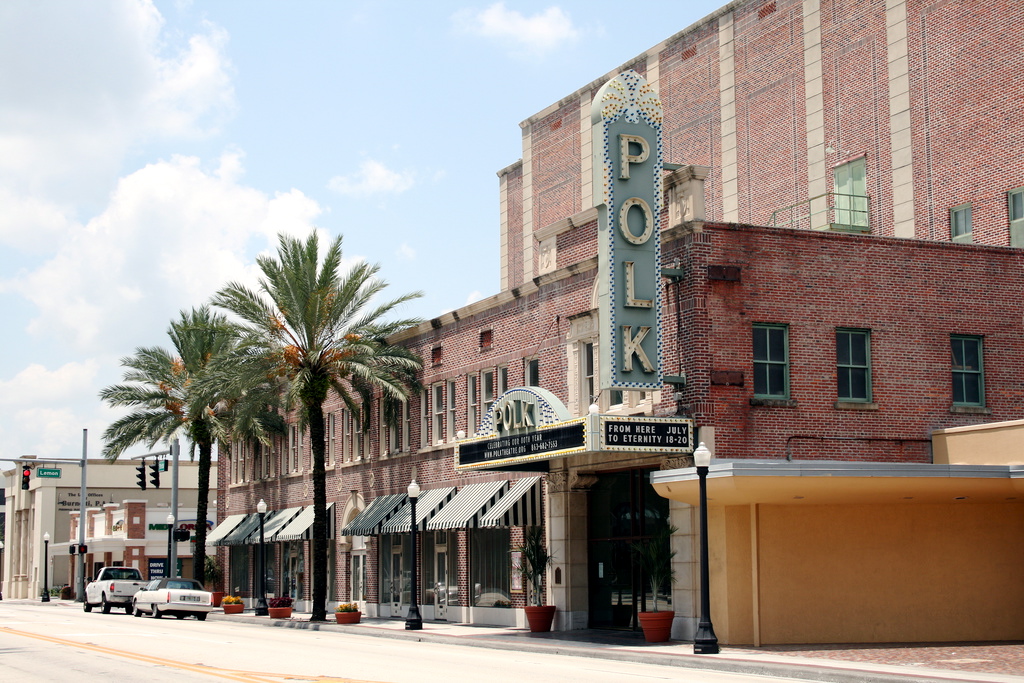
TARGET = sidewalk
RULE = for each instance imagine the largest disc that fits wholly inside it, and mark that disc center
(923, 663)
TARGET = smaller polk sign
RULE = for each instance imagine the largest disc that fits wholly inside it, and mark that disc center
(627, 118)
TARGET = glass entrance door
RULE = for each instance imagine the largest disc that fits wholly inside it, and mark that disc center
(397, 580)
(622, 509)
(441, 582)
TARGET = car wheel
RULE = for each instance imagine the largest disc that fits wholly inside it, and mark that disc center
(155, 613)
(86, 606)
(135, 611)
(104, 605)
(128, 609)
(201, 617)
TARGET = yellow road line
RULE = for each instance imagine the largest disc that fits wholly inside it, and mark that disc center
(237, 675)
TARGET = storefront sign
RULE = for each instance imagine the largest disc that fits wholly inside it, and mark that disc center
(502, 451)
(627, 118)
(661, 434)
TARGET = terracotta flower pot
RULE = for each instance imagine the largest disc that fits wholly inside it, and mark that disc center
(217, 596)
(540, 618)
(280, 612)
(348, 617)
(233, 609)
(657, 626)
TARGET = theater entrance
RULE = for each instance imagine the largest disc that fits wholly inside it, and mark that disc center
(623, 509)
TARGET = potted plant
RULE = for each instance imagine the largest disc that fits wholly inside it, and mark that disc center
(534, 561)
(212, 573)
(655, 559)
(232, 604)
(347, 613)
(280, 608)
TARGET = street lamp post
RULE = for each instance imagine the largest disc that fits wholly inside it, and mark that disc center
(413, 622)
(261, 603)
(170, 545)
(46, 567)
(705, 642)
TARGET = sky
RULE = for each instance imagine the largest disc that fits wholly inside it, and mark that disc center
(150, 150)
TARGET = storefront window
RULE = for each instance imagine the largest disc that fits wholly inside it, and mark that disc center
(490, 566)
(238, 559)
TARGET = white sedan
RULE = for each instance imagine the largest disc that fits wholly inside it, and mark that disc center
(180, 597)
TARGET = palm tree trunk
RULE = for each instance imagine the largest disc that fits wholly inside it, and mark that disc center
(319, 550)
(202, 505)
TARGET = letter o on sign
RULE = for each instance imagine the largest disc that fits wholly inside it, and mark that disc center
(648, 220)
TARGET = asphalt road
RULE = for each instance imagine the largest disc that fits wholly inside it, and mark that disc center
(48, 642)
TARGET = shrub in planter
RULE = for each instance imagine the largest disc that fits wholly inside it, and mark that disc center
(232, 604)
(347, 613)
(534, 562)
(655, 559)
(280, 608)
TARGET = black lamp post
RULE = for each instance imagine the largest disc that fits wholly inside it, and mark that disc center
(413, 622)
(261, 603)
(46, 567)
(705, 642)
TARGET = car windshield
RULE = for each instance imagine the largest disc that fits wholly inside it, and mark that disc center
(184, 585)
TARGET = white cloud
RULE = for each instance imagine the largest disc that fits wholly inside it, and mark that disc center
(405, 252)
(372, 177)
(527, 36)
(85, 81)
(171, 236)
(473, 297)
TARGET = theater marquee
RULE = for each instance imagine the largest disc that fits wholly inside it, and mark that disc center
(528, 426)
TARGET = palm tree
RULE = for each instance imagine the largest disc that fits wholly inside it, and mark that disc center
(323, 329)
(160, 388)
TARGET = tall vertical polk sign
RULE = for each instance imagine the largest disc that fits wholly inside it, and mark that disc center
(627, 120)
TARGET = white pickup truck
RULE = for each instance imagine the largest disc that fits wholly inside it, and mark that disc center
(113, 587)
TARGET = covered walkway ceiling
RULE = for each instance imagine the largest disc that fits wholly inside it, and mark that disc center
(745, 482)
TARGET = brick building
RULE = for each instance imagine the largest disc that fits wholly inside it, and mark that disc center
(838, 280)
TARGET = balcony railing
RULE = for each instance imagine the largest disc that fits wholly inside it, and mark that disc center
(829, 211)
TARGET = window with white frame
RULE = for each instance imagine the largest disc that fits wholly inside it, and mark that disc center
(346, 436)
(502, 380)
(1015, 209)
(472, 404)
(424, 419)
(588, 368)
(439, 412)
(406, 429)
(293, 448)
(531, 372)
(450, 426)
(330, 440)
(960, 224)
(359, 437)
(487, 380)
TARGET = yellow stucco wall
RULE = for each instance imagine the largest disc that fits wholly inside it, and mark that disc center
(998, 443)
(867, 573)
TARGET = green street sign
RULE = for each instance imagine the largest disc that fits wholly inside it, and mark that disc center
(48, 472)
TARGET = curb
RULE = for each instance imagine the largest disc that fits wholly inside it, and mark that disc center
(850, 672)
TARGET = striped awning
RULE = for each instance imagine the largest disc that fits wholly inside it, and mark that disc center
(379, 510)
(272, 525)
(427, 505)
(229, 524)
(301, 528)
(466, 508)
(243, 531)
(521, 506)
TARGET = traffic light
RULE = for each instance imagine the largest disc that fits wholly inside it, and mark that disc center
(154, 475)
(182, 535)
(26, 477)
(140, 475)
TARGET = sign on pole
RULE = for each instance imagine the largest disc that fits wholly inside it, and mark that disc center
(48, 472)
